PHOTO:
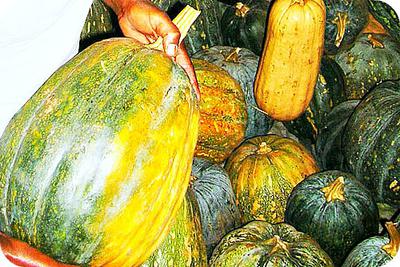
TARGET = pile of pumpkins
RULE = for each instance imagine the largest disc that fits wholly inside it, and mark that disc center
(114, 161)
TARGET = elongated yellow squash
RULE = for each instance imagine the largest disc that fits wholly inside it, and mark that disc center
(291, 57)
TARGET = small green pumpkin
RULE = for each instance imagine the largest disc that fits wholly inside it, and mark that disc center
(217, 203)
(184, 245)
(260, 243)
(263, 171)
(345, 19)
(244, 24)
(328, 147)
(371, 142)
(386, 16)
(335, 209)
(375, 251)
(241, 64)
(373, 58)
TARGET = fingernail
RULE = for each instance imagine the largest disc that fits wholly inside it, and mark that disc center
(172, 50)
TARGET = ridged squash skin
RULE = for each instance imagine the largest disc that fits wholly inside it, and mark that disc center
(371, 142)
(263, 171)
(260, 243)
(223, 115)
(184, 245)
(94, 167)
(212, 188)
(335, 209)
(291, 57)
(372, 59)
(241, 64)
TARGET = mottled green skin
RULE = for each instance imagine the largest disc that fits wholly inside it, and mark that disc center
(328, 92)
(371, 142)
(217, 203)
(244, 71)
(369, 253)
(101, 23)
(205, 31)
(357, 14)
(248, 247)
(246, 31)
(339, 225)
(52, 152)
(386, 16)
(184, 245)
(365, 66)
(328, 145)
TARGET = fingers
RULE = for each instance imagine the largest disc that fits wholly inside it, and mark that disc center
(182, 58)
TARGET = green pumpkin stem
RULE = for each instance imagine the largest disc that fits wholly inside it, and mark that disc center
(233, 55)
(393, 246)
(183, 21)
(241, 9)
(375, 42)
(263, 148)
(278, 244)
(334, 191)
(341, 21)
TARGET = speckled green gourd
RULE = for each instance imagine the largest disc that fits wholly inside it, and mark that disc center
(328, 146)
(260, 243)
(184, 245)
(345, 19)
(217, 203)
(373, 58)
(241, 64)
(375, 251)
(335, 209)
(386, 16)
(371, 142)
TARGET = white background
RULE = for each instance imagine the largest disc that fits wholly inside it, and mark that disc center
(394, 263)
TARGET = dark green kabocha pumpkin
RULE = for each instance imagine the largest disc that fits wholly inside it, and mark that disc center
(386, 16)
(244, 24)
(241, 64)
(335, 209)
(373, 58)
(260, 243)
(101, 23)
(375, 251)
(184, 245)
(328, 147)
(345, 19)
(328, 92)
(213, 191)
(371, 142)
(205, 31)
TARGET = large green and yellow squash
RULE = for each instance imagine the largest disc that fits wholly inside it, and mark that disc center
(184, 245)
(217, 203)
(223, 116)
(263, 171)
(241, 64)
(244, 24)
(345, 19)
(371, 142)
(94, 167)
(291, 57)
(375, 251)
(335, 209)
(260, 243)
(372, 59)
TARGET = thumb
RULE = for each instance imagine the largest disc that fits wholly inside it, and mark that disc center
(170, 34)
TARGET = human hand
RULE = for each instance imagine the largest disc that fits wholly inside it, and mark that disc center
(145, 22)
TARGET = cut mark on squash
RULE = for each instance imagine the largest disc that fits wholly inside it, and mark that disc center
(335, 191)
(393, 246)
(340, 21)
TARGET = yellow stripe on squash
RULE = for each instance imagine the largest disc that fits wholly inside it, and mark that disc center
(290, 61)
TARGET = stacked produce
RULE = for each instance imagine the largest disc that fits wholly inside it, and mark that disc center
(115, 162)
